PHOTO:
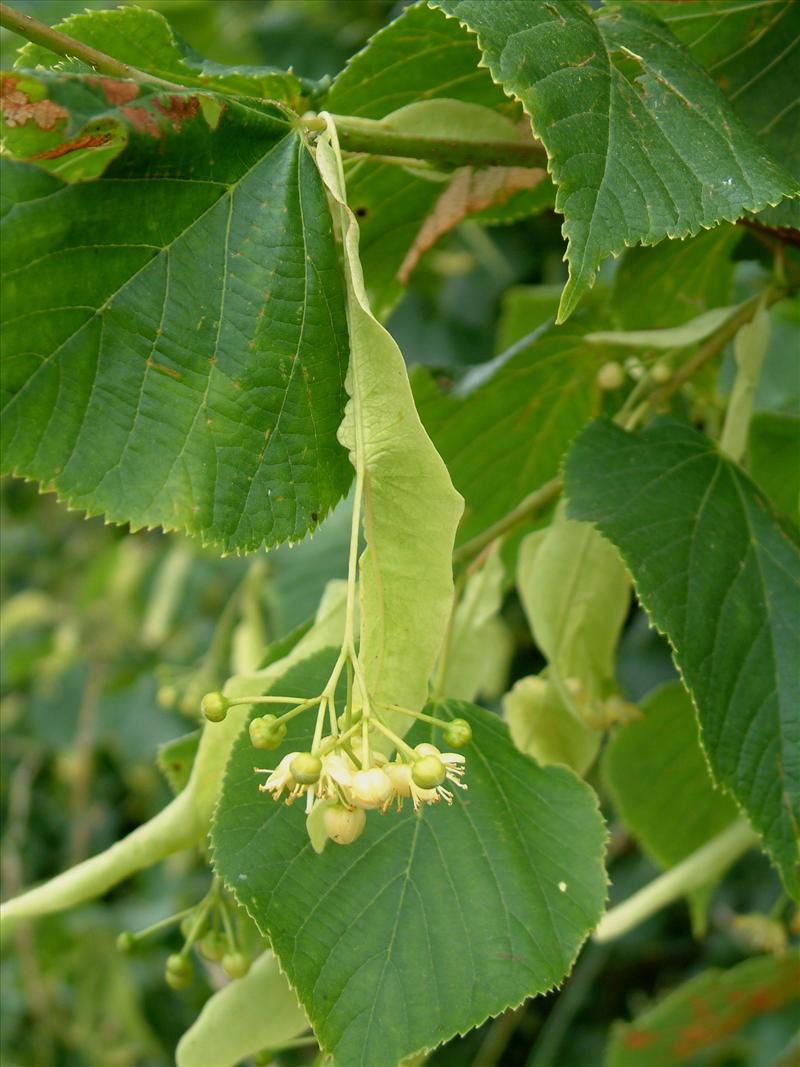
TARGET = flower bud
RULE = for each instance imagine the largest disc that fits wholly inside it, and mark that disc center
(235, 964)
(125, 941)
(611, 375)
(305, 768)
(660, 372)
(400, 777)
(428, 772)
(371, 789)
(214, 945)
(343, 825)
(167, 697)
(266, 732)
(355, 716)
(214, 706)
(179, 971)
(457, 733)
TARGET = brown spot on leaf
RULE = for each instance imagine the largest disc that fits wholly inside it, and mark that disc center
(469, 191)
(179, 110)
(119, 92)
(638, 1039)
(142, 120)
(87, 141)
(18, 109)
(164, 370)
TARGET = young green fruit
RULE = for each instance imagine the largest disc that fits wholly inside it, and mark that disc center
(266, 732)
(179, 971)
(214, 706)
(428, 772)
(305, 768)
(235, 964)
(457, 733)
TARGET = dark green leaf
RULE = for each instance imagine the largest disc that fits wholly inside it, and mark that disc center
(507, 437)
(425, 925)
(642, 144)
(656, 288)
(773, 451)
(658, 778)
(718, 573)
(174, 338)
(751, 52)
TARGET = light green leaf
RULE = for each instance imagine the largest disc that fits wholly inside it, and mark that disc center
(750, 50)
(703, 1012)
(657, 775)
(454, 119)
(773, 446)
(575, 593)
(480, 644)
(544, 727)
(411, 510)
(749, 350)
(167, 359)
(143, 39)
(506, 438)
(642, 144)
(718, 573)
(689, 333)
(253, 1013)
(380, 938)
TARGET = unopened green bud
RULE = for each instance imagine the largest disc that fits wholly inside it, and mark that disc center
(660, 372)
(611, 375)
(355, 716)
(235, 964)
(126, 941)
(305, 768)
(457, 733)
(179, 971)
(167, 697)
(266, 732)
(428, 772)
(214, 945)
(214, 706)
(343, 825)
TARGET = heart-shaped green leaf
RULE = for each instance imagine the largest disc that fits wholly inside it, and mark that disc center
(175, 340)
(719, 573)
(427, 924)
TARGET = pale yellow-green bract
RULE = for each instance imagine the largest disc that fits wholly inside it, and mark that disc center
(411, 509)
(575, 592)
(265, 1011)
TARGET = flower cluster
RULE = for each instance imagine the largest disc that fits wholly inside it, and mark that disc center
(345, 775)
(350, 785)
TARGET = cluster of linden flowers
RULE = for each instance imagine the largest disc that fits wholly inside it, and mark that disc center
(346, 775)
